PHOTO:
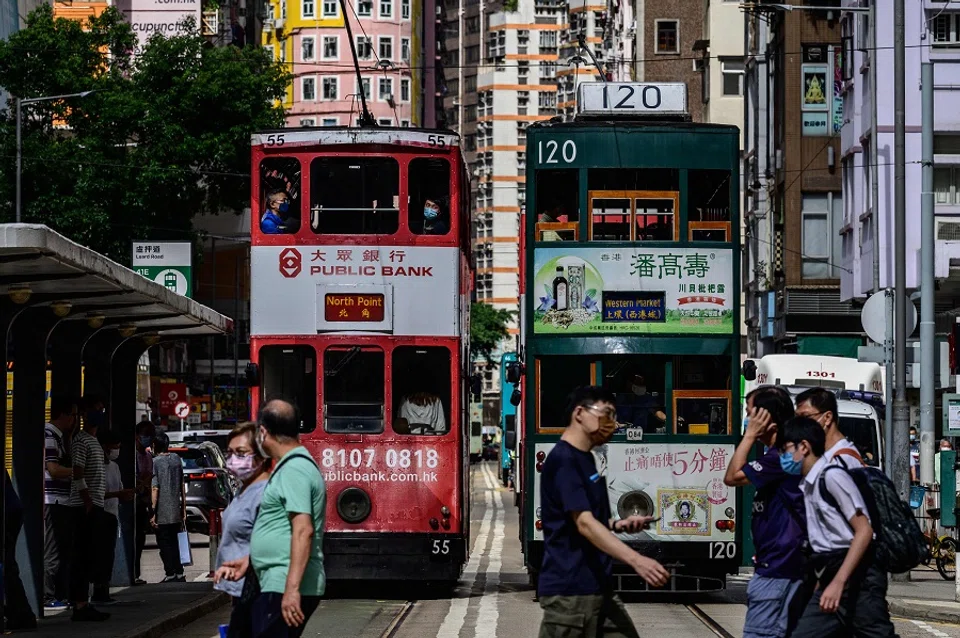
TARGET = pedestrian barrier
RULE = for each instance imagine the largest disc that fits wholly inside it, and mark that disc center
(214, 534)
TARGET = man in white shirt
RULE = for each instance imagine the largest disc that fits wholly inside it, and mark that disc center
(820, 405)
(850, 596)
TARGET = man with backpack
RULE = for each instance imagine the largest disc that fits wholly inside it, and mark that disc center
(778, 521)
(820, 405)
(851, 580)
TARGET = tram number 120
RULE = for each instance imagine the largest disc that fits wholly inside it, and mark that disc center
(722, 549)
(554, 152)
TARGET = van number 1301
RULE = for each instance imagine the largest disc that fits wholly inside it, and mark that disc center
(723, 549)
(554, 152)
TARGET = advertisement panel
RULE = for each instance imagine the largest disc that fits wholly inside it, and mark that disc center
(633, 290)
(165, 17)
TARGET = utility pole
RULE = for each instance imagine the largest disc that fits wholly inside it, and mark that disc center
(928, 343)
(901, 412)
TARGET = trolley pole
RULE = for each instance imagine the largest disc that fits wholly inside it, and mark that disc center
(928, 343)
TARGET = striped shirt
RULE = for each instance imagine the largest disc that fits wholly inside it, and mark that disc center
(88, 454)
(55, 491)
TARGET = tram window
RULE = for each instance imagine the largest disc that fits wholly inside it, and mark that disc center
(656, 218)
(354, 195)
(421, 390)
(709, 205)
(290, 373)
(610, 219)
(557, 377)
(701, 395)
(353, 390)
(428, 183)
(279, 195)
(558, 205)
(639, 383)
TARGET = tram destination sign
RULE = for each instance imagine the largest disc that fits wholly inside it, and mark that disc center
(353, 307)
(632, 98)
(633, 290)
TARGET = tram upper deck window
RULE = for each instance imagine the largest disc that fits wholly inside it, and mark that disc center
(634, 204)
(557, 377)
(428, 182)
(701, 395)
(421, 390)
(558, 205)
(639, 384)
(709, 205)
(353, 390)
(354, 195)
(290, 373)
(279, 195)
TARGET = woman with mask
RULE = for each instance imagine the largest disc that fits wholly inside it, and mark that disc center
(247, 463)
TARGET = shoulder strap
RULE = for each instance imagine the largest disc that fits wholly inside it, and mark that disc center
(827, 496)
(284, 460)
(848, 452)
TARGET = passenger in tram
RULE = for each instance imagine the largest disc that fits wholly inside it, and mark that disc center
(433, 223)
(639, 409)
(552, 215)
(420, 413)
(272, 222)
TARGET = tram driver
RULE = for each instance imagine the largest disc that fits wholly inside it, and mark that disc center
(420, 413)
(640, 409)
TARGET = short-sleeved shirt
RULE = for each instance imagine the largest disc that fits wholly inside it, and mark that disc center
(846, 460)
(114, 484)
(55, 491)
(88, 453)
(829, 529)
(237, 527)
(295, 487)
(779, 518)
(569, 483)
(915, 456)
(168, 479)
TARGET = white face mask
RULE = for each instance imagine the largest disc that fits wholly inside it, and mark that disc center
(639, 389)
(114, 455)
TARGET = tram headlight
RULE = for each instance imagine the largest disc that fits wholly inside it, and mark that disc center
(434, 523)
(539, 467)
(445, 511)
(730, 512)
(541, 455)
(538, 525)
(635, 503)
(445, 523)
(353, 505)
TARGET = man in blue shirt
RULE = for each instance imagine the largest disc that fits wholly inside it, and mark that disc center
(272, 222)
(575, 586)
(778, 521)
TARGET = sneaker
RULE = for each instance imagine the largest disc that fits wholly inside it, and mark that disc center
(89, 614)
(139, 581)
(181, 578)
(55, 605)
(176, 578)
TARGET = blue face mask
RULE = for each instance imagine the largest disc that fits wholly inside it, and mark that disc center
(430, 213)
(146, 441)
(746, 422)
(284, 207)
(789, 465)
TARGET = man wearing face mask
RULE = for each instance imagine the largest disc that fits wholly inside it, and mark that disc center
(272, 221)
(778, 520)
(432, 223)
(575, 584)
(820, 405)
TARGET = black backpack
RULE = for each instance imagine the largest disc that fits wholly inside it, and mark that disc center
(898, 541)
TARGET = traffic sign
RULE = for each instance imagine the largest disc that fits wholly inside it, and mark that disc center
(873, 316)
(182, 410)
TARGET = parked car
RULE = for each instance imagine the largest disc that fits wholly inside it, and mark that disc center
(209, 485)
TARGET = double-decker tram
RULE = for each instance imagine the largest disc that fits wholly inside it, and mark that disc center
(508, 418)
(632, 278)
(361, 277)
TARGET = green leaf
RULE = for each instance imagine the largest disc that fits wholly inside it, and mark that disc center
(592, 293)
(546, 288)
(488, 329)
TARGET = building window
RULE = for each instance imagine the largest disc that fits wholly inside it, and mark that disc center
(331, 8)
(308, 89)
(945, 189)
(404, 123)
(308, 8)
(386, 47)
(822, 218)
(366, 88)
(308, 48)
(385, 121)
(308, 121)
(405, 49)
(385, 89)
(946, 29)
(732, 70)
(364, 47)
(386, 9)
(405, 9)
(668, 36)
(330, 121)
(364, 8)
(331, 88)
(331, 47)
(404, 89)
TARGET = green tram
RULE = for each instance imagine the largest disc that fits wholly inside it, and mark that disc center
(631, 274)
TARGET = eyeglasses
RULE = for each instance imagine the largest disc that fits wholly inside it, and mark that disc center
(809, 415)
(231, 454)
(603, 413)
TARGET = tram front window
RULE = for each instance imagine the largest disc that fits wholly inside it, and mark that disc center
(701, 395)
(421, 390)
(558, 205)
(557, 377)
(709, 205)
(354, 195)
(429, 196)
(353, 390)
(638, 382)
(279, 195)
(290, 373)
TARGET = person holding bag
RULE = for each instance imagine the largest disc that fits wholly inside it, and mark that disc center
(169, 504)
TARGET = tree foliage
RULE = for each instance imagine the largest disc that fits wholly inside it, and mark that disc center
(488, 328)
(165, 135)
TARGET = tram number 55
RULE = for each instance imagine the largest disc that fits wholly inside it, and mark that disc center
(554, 152)
(723, 549)
(440, 548)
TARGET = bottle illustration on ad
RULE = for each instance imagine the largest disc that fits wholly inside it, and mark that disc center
(570, 297)
(561, 290)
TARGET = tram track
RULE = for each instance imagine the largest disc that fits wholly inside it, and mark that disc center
(398, 620)
(709, 622)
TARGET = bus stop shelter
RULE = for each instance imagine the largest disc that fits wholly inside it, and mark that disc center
(87, 319)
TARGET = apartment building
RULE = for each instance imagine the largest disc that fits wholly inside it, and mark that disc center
(668, 39)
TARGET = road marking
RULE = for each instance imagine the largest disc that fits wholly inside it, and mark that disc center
(457, 614)
(489, 612)
(933, 630)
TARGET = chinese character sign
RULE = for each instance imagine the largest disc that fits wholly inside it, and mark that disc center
(640, 290)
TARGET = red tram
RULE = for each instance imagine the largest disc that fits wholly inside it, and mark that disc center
(360, 299)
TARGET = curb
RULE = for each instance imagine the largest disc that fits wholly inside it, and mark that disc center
(937, 611)
(180, 617)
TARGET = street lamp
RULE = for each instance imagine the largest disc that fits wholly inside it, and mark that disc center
(20, 104)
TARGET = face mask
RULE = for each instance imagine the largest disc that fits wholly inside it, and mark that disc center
(746, 422)
(114, 455)
(241, 466)
(430, 213)
(284, 207)
(604, 432)
(145, 441)
(789, 465)
(913, 438)
(944, 449)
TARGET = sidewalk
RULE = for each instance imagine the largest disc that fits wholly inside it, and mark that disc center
(926, 597)
(147, 611)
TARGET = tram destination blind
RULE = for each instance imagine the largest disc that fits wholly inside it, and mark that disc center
(632, 98)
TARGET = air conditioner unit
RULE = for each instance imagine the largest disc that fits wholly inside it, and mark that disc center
(278, 24)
